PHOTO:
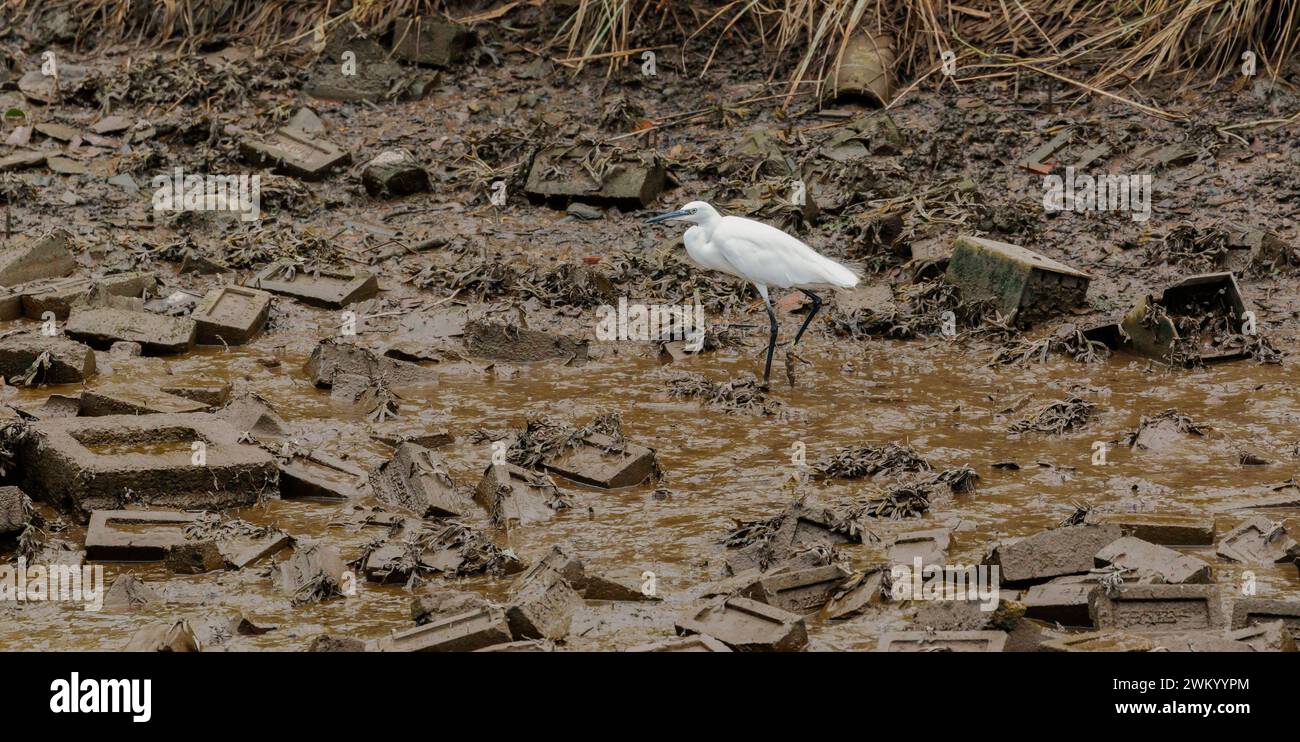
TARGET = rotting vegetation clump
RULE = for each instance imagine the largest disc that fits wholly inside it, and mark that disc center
(1068, 341)
(855, 462)
(740, 395)
(1056, 417)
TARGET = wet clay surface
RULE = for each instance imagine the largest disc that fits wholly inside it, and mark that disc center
(449, 255)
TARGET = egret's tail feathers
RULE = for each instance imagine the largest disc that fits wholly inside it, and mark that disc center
(840, 276)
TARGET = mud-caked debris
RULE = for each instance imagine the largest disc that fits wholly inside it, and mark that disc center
(1145, 608)
(1265, 637)
(1196, 321)
(1053, 553)
(393, 173)
(1164, 527)
(861, 591)
(542, 604)
(1056, 418)
(166, 636)
(431, 41)
(436, 548)
(438, 602)
(691, 643)
(1063, 600)
(1255, 611)
(801, 591)
(332, 362)
(230, 315)
(924, 309)
(747, 625)
(503, 341)
(1152, 563)
(332, 643)
(319, 475)
(595, 174)
(1260, 541)
(1100, 641)
(514, 496)
(129, 591)
(314, 573)
(464, 632)
(1067, 340)
(1018, 281)
(157, 334)
(35, 258)
(625, 584)
(15, 511)
(943, 641)
(1160, 431)
(419, 480)
(316, 286)
(29, 359)
(295, 152)
(596, 454)
(124, 398)
(798, 536)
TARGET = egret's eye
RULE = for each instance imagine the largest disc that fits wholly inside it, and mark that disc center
(692, 211)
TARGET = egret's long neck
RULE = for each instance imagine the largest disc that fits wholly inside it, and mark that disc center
(706, 222)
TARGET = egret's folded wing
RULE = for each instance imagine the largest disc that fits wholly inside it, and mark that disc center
(762, 264)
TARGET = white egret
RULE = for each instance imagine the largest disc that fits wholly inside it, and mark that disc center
(763, 255)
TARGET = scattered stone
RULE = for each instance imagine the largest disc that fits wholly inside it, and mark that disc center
(176, 636)
(1153, 563)
(430, 41)
(394, 172)
(332, 362)
(1015, 279)
(1062, 601)
(930, 546)
(122, 350)
(419, 480)
(314, 573)
(1254, 611)
(1166, 528)
(101, 463)
(618, 584)
(320, 476)
(132, 399)
(798, 591)
(136, 535)
(465, 632)
(209, 395)
(22, 160)
(1053, 553)
(599, 460)
(250, 413)
(557, 176)
(514, 496)
(29, 359)
(128, 592)
(1259, 541)
(861, 591)
(15, 510)
(440, 603)
(195, 557)
(542, 604)
(942, 641)
(1156, 607)
(503, 342)
(35, 258)
(295, 152)
(320, 288)
(60, 295)
(747, 625)
(230, 315)
(157, 334)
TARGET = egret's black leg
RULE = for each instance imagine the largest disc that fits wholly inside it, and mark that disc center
(771, 344)
(816, 305)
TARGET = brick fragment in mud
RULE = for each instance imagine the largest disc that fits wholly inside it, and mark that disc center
(1166, 528)
(134, 399)
(166, 636)
(464, 632)
(230, 315)
(747, 625)
(515, 497)
(1053, 553)
(69, 362)
(319, 475)
(92, 463)
(1253, 611)
(798, 590)
(1259, 541)
(314, 573)
(1151, 562)
(332, 360)
(15, 510)
(501, 342)
(35, 258)
(557, 176)
(394, 172)
(1015, 279)
(942, 641)
(331, 289)
(295, 152)
(419, 480)
(157, 334)
(542, 604)
(627, 584)
(600, 461)
(1063, 601)
(60, 295)
(1145, 608)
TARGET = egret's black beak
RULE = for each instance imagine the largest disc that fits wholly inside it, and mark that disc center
(666, 217)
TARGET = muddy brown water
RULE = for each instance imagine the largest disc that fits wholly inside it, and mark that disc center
(939, 398)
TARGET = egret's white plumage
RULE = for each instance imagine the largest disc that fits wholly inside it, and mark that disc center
(760, 254)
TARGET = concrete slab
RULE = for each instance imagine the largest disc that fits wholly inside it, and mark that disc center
(1260, 541)
(35, 258)
(1142, 608)
(1166, 528)
(321, 476)
(465, 632)
(132, 399)
(1100, 641)
(515, 497)
(136, 535)
(693, 643)
(70, 362)
(1052, 553)
(1014, 278)
(1254, 611)
(598, 461)
(419, 480)
(295, 152)
(632, 180)
(1149, 560)
(801, 591)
